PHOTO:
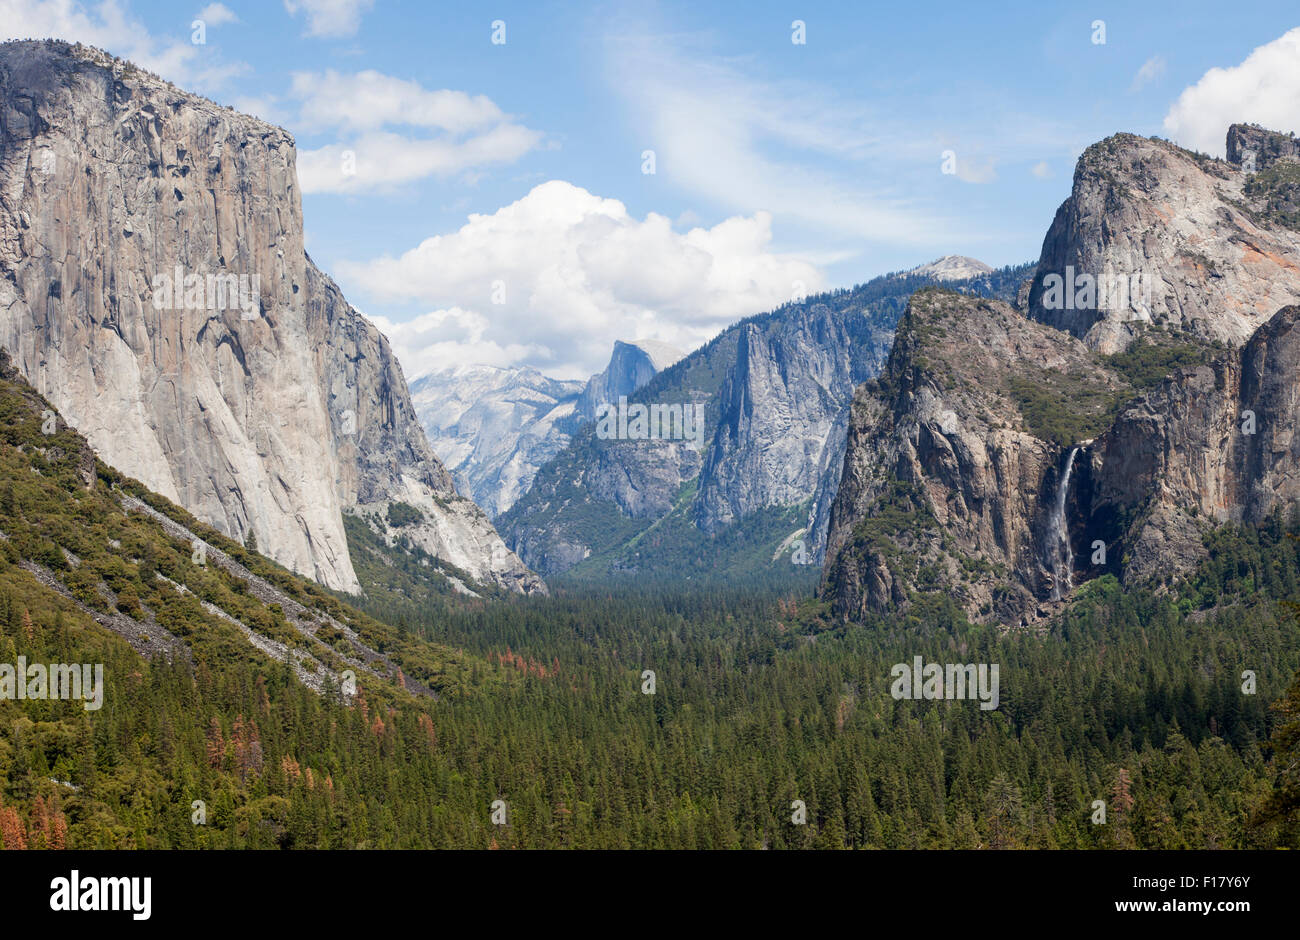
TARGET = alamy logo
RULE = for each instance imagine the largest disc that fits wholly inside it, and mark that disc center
(1110, 292)
(626, 422)
(58, 680)
(181, 291)
(953, 681)
(75, 893)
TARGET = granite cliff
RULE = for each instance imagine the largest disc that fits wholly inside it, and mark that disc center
(1006, 456)
(154, 287)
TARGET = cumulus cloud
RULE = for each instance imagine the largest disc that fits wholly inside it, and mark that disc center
(1264, 89)
(1151, 69)
(383, 160)
(330, 18)
(468, 132)
(217, 14)
(110, 26)
(555, 278)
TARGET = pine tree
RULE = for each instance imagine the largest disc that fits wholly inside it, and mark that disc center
(216, 743)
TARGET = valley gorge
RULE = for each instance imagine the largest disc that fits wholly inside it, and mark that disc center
(351, 499)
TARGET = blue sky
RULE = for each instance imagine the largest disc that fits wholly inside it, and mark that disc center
(777, 165)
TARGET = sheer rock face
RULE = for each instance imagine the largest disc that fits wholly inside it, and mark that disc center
(112, 184)
(1268, 147)
(1186, 236)
(945, 486)
(779, 404)
(383, 454)
(1218, 443)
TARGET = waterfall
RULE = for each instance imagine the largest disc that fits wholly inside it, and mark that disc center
(1060, 552)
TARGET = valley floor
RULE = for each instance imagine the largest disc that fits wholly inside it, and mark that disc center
(662, 719)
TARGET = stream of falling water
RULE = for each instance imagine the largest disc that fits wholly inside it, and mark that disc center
(1062, 554)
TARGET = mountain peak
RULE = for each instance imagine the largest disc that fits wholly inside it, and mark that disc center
(1228, 255)
(952, 268)
(662, 355)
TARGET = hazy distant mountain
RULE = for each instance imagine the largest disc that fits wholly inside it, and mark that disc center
(493, 428)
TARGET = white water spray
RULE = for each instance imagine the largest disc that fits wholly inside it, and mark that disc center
(1062, 554)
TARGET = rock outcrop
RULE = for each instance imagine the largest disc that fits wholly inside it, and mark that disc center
(1259, 148)
(631, 366)
(1002, 461)
(950, 474)
(1212, 444)
(1168, 237)
(154, 286)
(952, 268)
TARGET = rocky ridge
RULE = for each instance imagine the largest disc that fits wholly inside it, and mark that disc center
(776, 390)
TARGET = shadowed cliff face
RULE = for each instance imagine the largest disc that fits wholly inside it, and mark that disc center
(1003, 461)
(1218, 443)
(778, 406)
(948, 482)
(269, 407)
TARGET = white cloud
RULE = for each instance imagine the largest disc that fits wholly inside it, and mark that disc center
(576, 272)
(1264, 89)
(469, 132)
(1041, 170)
(369, 100)
(1151, 69)
(217, 14)
(382, 160)
(330, 18)
(110, 26)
